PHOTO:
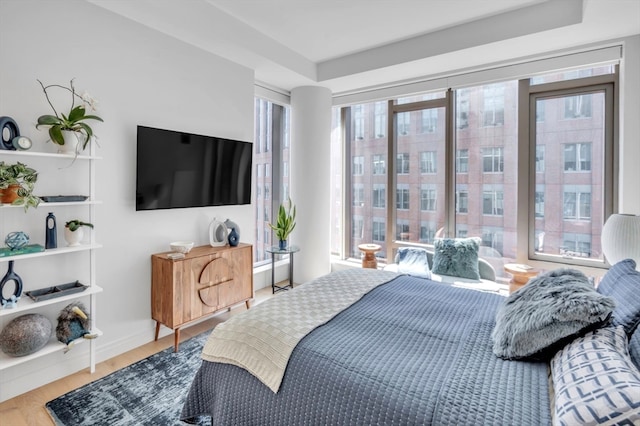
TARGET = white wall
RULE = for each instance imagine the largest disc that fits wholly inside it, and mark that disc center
(140, 77)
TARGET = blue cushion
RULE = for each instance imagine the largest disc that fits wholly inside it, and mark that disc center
(622, 283)
(595, 382)
(413, 261)
(457, 257)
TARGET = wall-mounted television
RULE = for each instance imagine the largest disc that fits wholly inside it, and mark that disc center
(178, 170)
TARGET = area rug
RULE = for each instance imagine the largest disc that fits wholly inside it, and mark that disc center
(149, 392)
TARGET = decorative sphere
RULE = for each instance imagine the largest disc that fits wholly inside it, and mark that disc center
(16, 240)
(25, 335)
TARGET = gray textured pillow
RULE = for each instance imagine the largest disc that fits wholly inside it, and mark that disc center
(457, 257)
(413, 261)
(553, 308)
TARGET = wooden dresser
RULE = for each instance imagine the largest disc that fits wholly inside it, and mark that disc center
(207, 280)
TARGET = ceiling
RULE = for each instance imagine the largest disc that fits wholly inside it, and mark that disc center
(355, 44)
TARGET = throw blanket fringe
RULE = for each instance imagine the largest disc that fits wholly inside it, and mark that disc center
(262, 339)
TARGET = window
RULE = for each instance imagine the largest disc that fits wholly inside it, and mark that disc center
(574, 244)
(428, 198)
(577, 157)
(492, 237)
(462, 161)
(492, 201)
(357, 227)
(380, 119)
(577, 202)
(358, 122)
(379, 195)
(539, 205)
(402, 231)
(540, 159)
(427, 232)
(462, 201)
(378, 230)
(358, 195)
(271, 156)
(402, 163)
(428, 163)
(462, 109)
(358, 165)
(493, 104)
(429, 122)
(577, 106)
(402, 197)
(492, 160)
(404, 123)
(379, 166)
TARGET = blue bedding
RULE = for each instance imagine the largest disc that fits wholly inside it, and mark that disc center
(411, 351)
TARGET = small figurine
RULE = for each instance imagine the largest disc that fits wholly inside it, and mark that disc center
(73, 323)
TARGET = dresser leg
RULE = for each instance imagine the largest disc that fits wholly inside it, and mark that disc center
(157, 330)
(176, 340)
(248, 303)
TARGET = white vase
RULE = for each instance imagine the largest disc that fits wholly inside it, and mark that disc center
(72, 142)
(73, 238)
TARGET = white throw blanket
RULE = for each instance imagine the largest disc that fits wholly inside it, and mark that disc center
(262, 339)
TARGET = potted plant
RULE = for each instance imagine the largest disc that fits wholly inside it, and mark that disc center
(70, 129)
(73, 232)
(285, 224)
(16, 184)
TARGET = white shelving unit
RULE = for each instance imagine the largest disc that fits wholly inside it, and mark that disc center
(26, 304)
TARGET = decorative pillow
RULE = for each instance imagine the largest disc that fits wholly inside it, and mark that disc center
(634, 347)
(552, 309)
(595, 381)
(457, 257)
(413, 261)
(622, 283)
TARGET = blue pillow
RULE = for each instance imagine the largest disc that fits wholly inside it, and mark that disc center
(622, 283)
(413, 261)
(457, 257)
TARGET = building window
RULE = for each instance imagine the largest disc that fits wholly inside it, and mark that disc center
(540, 159)
(428, 161)
(577, 106)
(358, 195)
(577, 157)
(427, 232)
(379, 164)
(493, 104)
(493, 160)
(402, 231)
(379, 195)
(380, 119)
(428, 198)
(429, 122)
(402, 197)
(462, 109)
(378, 230)
(492, 201)
(402, 163)
(492, 237)
(578, 245)
(358, 122)
(403, 123)
(577, 202)
(357, 228)
(539, 206)
(462, 161)
(358, 165)
(462, 201)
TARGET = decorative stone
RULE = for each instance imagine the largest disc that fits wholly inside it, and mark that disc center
(25, 335)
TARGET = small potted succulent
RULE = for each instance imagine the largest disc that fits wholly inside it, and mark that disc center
(285, 224)
(73, 232)
(16, 184)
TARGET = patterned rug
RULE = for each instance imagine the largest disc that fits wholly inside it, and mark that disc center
(149, 392)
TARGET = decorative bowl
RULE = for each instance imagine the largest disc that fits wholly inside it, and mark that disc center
(181, 246)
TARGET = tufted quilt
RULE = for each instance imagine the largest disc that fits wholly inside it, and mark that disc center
(411, 351)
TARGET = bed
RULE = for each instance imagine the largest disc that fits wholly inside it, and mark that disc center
(402, 350)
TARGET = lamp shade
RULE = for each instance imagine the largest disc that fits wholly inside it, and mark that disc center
(621, 238)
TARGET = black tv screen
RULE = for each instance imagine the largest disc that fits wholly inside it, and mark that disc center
(178, 169)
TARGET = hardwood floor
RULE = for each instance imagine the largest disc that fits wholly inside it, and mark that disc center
(28, 409)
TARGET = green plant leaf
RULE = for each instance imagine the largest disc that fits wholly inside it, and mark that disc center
(77, 114)
(55, 133)
(47, 120)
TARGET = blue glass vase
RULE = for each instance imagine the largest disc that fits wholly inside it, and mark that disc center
(233, 237)
(282, 244)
